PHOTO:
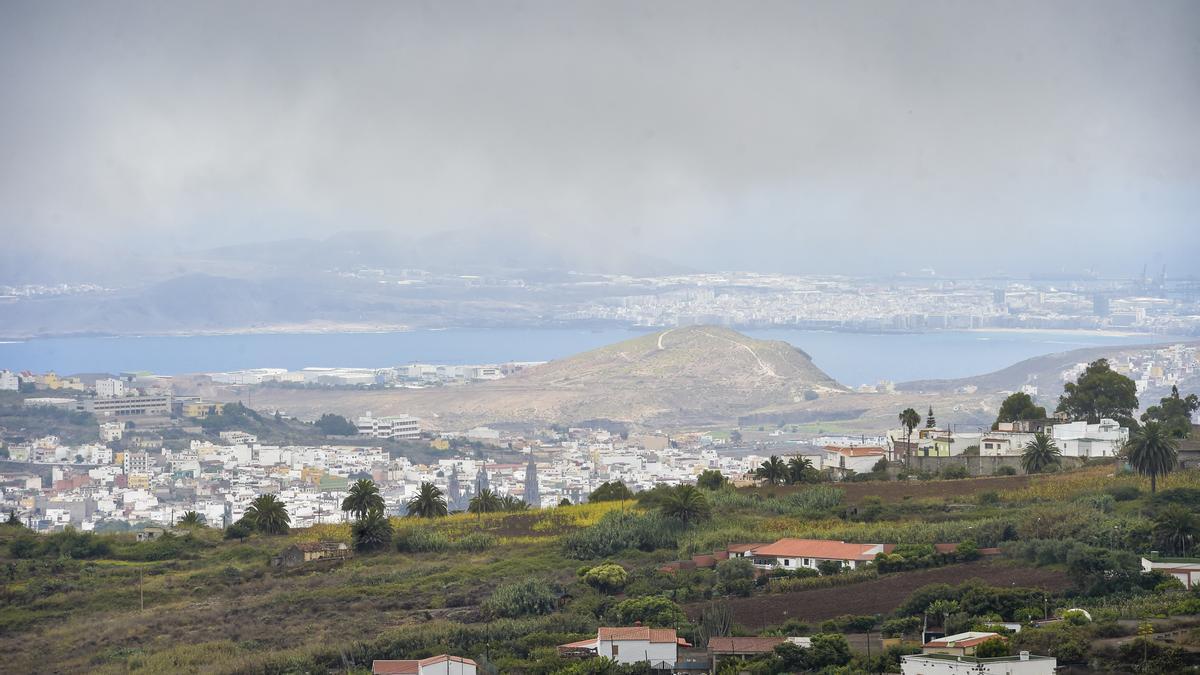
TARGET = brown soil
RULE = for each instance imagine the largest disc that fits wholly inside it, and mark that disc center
(879, 596)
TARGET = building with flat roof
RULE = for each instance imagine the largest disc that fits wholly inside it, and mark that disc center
(949, 664)
(127, 406)
(403, 427)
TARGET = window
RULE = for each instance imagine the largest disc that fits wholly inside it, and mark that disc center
(615, 649)
(807, 562)
(787, 562)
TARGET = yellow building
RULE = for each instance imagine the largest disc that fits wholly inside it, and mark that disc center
(139, 480)
(200, 409)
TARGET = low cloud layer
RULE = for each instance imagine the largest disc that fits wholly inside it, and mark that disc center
(853, 137)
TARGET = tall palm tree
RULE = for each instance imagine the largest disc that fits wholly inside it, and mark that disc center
(685, 503)
(191, 519)
(429, 502)
(798, 467)
(1152, 452)
(1040, 453)
(363, 498)
(268, 515)
(773, 470)
(909, 419)
(485, 502)
(1175, 529)
(372, 532)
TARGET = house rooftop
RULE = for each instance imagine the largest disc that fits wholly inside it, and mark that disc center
(823, 549)
(409, 666)
(744, 645)
(976, 659)
(968, 639)
(654, 635)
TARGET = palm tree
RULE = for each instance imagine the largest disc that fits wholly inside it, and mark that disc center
(485, 502)
(372, 532)
(191, 519)
(685, 503)
(1175, 529)
(773, 470)
(363, 498)
(268, 514)
(798, 467)
(1152, 452)
(1040, 453)
(429, 502)
(909, 419)
(511, 503)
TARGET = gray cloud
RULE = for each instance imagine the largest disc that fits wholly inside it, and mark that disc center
(792, 136)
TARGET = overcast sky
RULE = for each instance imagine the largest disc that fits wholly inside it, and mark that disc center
(792, 136)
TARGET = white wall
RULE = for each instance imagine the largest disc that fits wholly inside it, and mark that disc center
(636, 651)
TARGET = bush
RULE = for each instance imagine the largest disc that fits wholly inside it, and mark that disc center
(617, 531)
(476, 542)
(609, 577)
(1124, 493)
(1004, 471)
(609, 492)
(992, 648)
(989, 498)
(830, 567)
(421, 540)
(955, 472)
(531, 597)
(735, 576)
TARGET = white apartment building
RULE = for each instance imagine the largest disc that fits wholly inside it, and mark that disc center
(397, 426)
(1080, 439)
(138, 462)
(9, 381)
(110, 388)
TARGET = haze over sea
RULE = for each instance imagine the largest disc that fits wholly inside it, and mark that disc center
(852, 358)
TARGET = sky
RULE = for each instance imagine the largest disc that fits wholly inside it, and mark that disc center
(853, 137)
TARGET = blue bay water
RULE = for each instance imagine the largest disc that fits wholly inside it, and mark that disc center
(851, 358)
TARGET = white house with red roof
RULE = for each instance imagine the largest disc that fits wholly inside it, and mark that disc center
(797, 553)
(633, 644)
(442, 664)
(959, 644)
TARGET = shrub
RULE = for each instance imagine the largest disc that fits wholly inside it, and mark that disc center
(830, 567)
(1124, 493)
(992, 648)
(617, 531)
(476, 542)
(967, 551)
(530, 597)
(422, 540)
(1005, 471)
(735, 576)
(609, 577)
(989, 498)
(955, 472)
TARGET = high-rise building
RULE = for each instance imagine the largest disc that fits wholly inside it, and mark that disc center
(533, 495)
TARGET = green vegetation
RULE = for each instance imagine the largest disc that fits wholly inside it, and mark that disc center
(608, 492)
(336, 425)
(1019, 407)
(362, 498)
(1174, 413)
(267, 514)
(1100, 392)
(1152, 452)
(429, 502)
(1040, 454)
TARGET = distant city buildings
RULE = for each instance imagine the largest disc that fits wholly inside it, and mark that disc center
(401, 427)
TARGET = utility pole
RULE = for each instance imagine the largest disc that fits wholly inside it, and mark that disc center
(141, 591)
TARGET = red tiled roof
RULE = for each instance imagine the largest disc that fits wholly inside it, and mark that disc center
(704, 560)
(744, 645)
(589, 643)
(857, 451)
(637, 633)
(821, 548)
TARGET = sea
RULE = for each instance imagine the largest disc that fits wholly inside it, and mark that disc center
(851, 358)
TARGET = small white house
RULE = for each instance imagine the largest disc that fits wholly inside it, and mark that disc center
(949, 664)
(634, 644)
(1186, 570)
(1080, 439)
(796, 553)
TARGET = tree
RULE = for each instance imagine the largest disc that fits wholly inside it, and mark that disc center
(930, 420)
(735, 576)
(711, 479)
(239, 530)
(1100, 392)
(372, 531)
(830, 567)
(654, 611)
(1040, 453)
(268, 515)
(1151, 452)
(428, 503)
(687, 504)
(611, 492)
(13, 519)
(485, 501)
(564, 502)
(799, 469)
(773, 470)
(991, 648)
(909, 419)
(336, 425)
(716, 620)
(1175, 529)
(1018, 407)
(735, 436)
(191, 519)
(512, 503)
(363, 498)
(1174, 413)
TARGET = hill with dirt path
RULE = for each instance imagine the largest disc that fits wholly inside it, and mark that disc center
(691, 375)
